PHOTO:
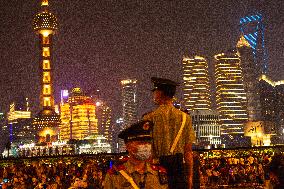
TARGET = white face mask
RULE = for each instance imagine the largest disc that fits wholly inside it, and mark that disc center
(144, 152)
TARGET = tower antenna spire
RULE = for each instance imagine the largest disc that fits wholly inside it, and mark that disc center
(44, 2)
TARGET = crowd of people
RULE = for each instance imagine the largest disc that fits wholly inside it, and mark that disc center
(89, 172)
(54, 173)
(249, 169)
(233, 171)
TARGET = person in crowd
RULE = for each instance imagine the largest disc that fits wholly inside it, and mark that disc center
(173, 134)
(137, 172)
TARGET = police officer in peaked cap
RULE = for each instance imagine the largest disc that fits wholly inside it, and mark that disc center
(168, 145)
(138, 171)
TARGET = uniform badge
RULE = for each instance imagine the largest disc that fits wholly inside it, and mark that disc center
(146, 126)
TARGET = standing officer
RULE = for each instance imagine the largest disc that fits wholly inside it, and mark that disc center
(137, 172)
(173, 134)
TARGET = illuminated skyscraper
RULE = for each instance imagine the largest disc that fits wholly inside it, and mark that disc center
(252, 28)
(206, 126)
(272, 103)
(251, 75)
(4, 127)
(47, 120)
(2, 121)
(230, 97)
(20, 123)
(129, 108)
(103, 113)
(196, 88)
(78, 117)
(129, 101)
(118, 145)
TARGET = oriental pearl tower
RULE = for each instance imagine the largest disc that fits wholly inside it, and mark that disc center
(46, 122)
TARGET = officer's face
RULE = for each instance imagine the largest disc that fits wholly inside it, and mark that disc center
(140, 150)
(157, 96)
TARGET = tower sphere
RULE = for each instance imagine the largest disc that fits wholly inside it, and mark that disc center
(45, 21)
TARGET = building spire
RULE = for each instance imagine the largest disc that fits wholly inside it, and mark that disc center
(44, 2)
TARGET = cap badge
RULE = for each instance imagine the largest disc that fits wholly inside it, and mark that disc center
(146, 126)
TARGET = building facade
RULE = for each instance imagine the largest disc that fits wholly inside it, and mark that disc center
(251, 74)
(196, 89)
(118, 145)
(207, 127)
(272, 106)
(3, 125)
(20, 123)
(230, 97)
(103, 113)
(129, 102)
(78, 117)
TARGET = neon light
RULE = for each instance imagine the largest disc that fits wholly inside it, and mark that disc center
(250, 32)
(248, 19)
(252, 36)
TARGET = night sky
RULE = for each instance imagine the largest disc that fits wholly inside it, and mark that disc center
(98, 43)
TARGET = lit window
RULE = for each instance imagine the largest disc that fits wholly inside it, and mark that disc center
(46, 101)
(46, 77)
(46, 89)
(45, 52)
(45, 40)
(46, 64)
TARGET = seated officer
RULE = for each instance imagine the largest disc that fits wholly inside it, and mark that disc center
(137, 172)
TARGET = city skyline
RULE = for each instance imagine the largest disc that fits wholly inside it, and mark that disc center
(100, 44)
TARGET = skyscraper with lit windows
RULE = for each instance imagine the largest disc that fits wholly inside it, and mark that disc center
(206, 126)
(251, 73)
(129, 108)
(103, 113)
(129, 101)
(272, 103)
(230, 97)
(20, 122)
(78, 117)
(2, 121)
(47, 120)
(196, 89)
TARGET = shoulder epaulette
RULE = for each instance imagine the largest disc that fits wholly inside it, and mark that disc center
(111, 171)
(159, 168)
(116, 169)
(124, 159)
(120, 167)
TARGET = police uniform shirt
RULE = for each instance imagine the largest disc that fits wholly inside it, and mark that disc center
(167, 122)
(150, 180)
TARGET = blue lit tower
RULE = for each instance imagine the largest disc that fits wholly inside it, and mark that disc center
(252, 28)
(47, 120)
